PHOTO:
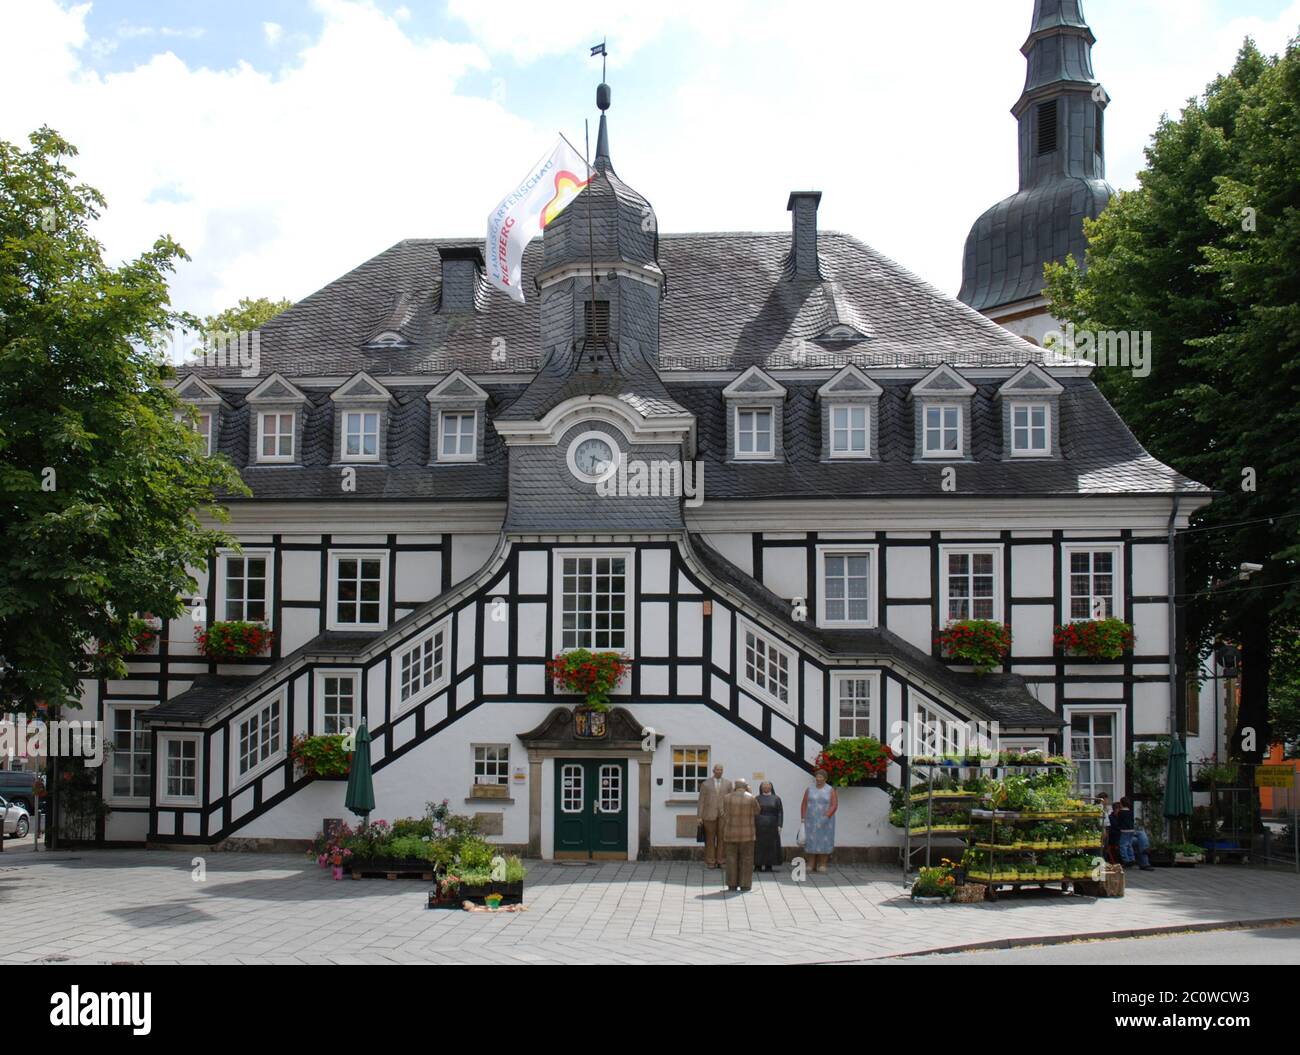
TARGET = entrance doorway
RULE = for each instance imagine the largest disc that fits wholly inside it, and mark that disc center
(591, 808)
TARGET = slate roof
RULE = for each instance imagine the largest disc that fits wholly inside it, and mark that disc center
(997, 697)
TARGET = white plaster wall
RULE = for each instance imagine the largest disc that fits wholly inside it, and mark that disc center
(907, 571)
(785, 571)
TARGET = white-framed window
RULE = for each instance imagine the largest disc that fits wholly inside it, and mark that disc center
(1031, 429)
(971, 583)
(259, 739)
(492, 764)
(943, 430)
(609, 796)
(690, 769)
(422, 667)
(358, 590)
(178, 783)
(458, 436)
(1097, 750)
(846, 575)
(275, 430)
(131, 760)
(754, 432)
(854, 694)
(338, 701)
(934, 731)
(850, 431)
(594, 609)
(203, 423)
(361, 435)
(1092, 582)
(766, 667)
(572, 790)
(244, 586)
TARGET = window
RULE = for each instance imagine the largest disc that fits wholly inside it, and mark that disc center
(572, 793)
(492, 764)
(358, 590)
(596, 322)
(690, 769)
(1029, 426)
(180, 769)
(849, 432)
(459, 436)
(204, 427)
(422, 667)
(970, 585)
(245, 595)
(610, 792)
(766, 666)
(361, 435)
(276, 437)
(132, 753)
(1092, 749)
(1092, 574)
(848, 595)
(594, 603)
(942, 430)
(853, 697)
(936, 733)
(338, 703)
(260, 738)
(753, 432)
(1046, 127)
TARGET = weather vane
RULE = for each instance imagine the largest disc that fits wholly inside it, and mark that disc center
(599, 49)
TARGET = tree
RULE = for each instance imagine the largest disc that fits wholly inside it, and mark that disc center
(1284, 691)
(245, 316)
(102, 478)
(1202, 255)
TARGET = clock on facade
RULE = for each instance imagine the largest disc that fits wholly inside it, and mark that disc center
(591, 457)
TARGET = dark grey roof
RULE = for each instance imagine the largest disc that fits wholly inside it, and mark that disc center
(999, 697)
(1062, 54)
(566, 374)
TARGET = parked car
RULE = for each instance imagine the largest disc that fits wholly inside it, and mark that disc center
(16, 820)
(16, 785)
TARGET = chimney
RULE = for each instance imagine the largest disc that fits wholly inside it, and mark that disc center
(803, 245)
(461, 266)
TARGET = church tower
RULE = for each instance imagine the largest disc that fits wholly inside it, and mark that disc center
(1062, 176)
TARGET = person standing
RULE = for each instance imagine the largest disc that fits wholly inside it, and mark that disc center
(712, 792)
(771, 818)
(820, 804)
(1129, 835)
(739, 810)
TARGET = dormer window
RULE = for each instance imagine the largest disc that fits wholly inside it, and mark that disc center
(207, 404)
(361, 407)
(1030, 429)
(849, 403)
(361, 435)
(458, 436)
(755, 405)
(943, 431)
(203, 425)
(753, 432)
(279, 410)
(849, 431)
(943, 414)
(277, 433)
(457, 419)
(1029, 407)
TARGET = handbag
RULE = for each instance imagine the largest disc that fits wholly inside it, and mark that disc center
(801, 837)
(699, 832)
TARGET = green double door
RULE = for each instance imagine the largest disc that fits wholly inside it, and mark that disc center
(591, 808)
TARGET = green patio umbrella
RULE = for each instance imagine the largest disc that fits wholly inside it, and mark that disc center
(1178, 792)
(361, 784)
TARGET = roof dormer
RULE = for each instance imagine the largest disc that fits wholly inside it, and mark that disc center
(755, 418)
(849, 409)
(943, 410)
(207, 404)
(1029, 407)
(457, 420)
(278, 412)
(361, 412)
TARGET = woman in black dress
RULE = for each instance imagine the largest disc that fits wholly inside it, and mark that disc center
(767, 848)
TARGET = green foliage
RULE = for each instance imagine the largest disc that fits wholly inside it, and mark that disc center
(853, 759)
(1107, 638)
(323, 756)
(102, 486)
(1148, 768)
(247, 315)
(983, 643)
(593, 674)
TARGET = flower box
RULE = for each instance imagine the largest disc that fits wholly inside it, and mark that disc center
(1102, 639)
(854, 761)
(390, 868)
(233, 639)
(983, 643)
(511, 894)
(593, 675)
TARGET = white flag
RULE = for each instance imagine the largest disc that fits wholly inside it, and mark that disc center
(541, 196)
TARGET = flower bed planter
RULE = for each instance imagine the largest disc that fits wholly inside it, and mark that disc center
(511, 894)
(391, 868)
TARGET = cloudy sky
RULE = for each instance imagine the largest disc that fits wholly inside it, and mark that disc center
(282, 143)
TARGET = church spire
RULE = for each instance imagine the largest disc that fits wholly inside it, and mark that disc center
(602, 162)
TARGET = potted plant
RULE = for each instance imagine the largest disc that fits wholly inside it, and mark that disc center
(1187, 855)
(934, 885)
(593, 675)
(321, 757)
(854, 761)
(983, 643)
(1107, 638)
(233, 639)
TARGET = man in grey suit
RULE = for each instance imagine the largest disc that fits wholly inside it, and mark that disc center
(712, 792)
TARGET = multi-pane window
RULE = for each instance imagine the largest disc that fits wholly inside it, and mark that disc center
(259, 737)
(1092, 584)
(358, 591)
(572, 792)
(492, 764)
(459, 435)
(943, 430)
(132, 752)
(1092, 750)
(849, 431)
(204, 426)
(361, 434)
(610, 797)
(182, 768)
(853, 700)
(767, 667)
(245, 589)
(277, 437)
(338, 703)
(690, 769)
(935, 733)
(970, 584)
(594, 603)
(753, 432)
(1029, 428)
(846, 587)
(421, 667)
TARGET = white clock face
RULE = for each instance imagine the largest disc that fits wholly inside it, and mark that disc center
(591, 457)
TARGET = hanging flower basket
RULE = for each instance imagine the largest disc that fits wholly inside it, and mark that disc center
(146, 630)
(234, 639)
(983, 643)
(1106, 638)
(594, 675)
(321, 757)
(854, 761)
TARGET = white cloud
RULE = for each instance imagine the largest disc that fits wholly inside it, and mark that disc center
(271, 32)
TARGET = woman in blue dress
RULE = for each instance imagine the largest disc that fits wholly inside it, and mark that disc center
(818, 812)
